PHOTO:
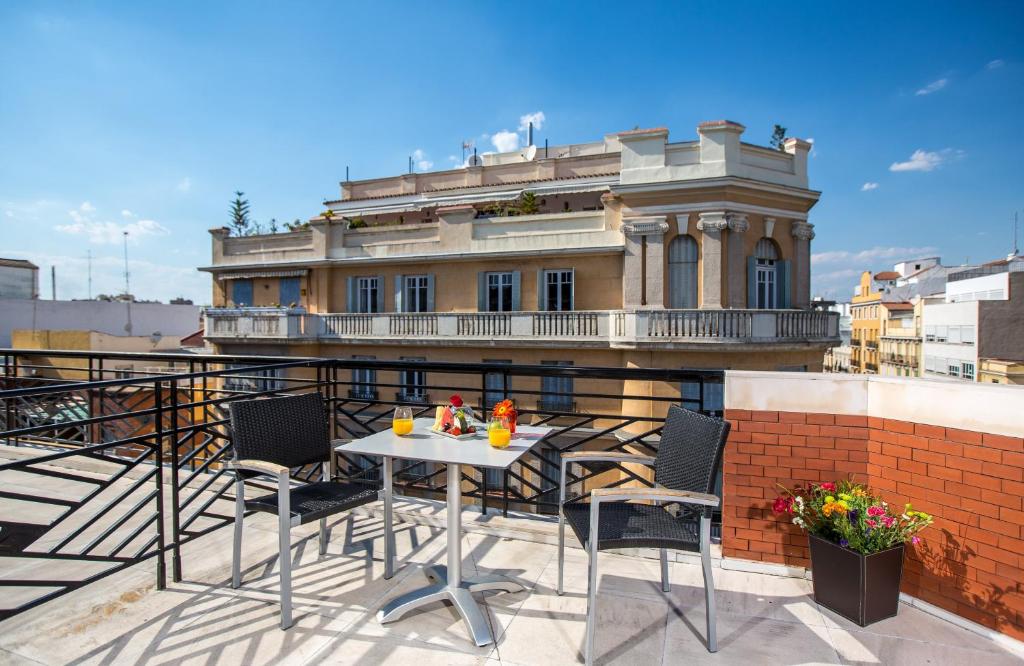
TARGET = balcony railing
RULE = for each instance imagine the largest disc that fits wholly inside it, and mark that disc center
(148, 449)
(613, 328)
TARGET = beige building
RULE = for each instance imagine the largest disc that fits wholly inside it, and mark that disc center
(900, 340)
(630, 251)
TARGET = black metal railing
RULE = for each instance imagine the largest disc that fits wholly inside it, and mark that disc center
(144, 450)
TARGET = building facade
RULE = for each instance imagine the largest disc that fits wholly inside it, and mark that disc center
(18, 279)
(900, 339)
(631, 251)
(979, 318)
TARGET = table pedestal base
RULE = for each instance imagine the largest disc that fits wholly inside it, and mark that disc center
(460, 595)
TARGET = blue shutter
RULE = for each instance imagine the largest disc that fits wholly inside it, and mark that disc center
(481, 292)
(782, 276)
(430, 292)
(381, 282)
(399, 293)
(751, 282)
(350, 295)
(241, 293)
(516, 288)
(289, 293)
(542, 302)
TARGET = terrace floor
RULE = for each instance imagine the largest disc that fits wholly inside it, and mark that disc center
(763, 619)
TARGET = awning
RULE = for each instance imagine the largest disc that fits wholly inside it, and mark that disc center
(298, 272)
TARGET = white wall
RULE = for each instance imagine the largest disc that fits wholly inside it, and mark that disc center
(101, 316)
(992, 408)
(938, 315)
(983, 288)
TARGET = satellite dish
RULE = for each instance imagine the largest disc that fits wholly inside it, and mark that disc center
(530, 153)
(475, 160)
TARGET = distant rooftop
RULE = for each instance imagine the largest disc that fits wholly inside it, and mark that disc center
(17, 263)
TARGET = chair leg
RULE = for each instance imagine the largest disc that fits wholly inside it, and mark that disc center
(236, 548)
(709, 582)
(284, 551)
(665, 585)
(588, 648)
(561, 550)
(323, 536)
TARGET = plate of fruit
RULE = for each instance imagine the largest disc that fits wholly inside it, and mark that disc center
(454, 420)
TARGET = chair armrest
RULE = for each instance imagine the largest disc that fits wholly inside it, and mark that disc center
(658, 494)
(607, 456)
(259, 466)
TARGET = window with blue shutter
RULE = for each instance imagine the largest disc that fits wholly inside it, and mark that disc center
(241, 293)
(290, 292)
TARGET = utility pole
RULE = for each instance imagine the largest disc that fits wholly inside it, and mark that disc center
(127, 291)
(88, 259)
(53, 283)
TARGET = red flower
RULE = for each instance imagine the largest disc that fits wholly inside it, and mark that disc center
(456, 400)
(783, 504)
(829, 486)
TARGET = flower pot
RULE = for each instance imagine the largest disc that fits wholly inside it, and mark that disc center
(861, 588)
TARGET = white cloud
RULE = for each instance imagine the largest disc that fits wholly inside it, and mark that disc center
(127, 214)
(924, 160)
(867, 187)
(184, 185)
(505, 141)
(537, 118)
(814, 149)
(934, 86)
(995, 64)
(9, 213)
(868, 256)
(149, 280)
(420, 158)
(102, 232)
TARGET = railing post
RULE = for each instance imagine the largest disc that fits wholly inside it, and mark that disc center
(175, 500)
(158, 461)
(10, 370)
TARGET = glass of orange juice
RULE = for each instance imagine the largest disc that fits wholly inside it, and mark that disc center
(401, 422)
(498, 434)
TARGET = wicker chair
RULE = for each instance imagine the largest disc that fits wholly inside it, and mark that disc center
(270, 437)
(685, 469)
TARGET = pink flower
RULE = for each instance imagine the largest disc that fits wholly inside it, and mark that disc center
(783, 505)
(889, 521)
(916, 540)
(876, 511)
(829, 486)
(871, 522)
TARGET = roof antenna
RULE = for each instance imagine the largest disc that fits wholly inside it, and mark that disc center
(1015, 248)
(410, 164)
(529, 134)
(346, 174)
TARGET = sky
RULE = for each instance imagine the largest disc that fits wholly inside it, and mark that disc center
(147, 117)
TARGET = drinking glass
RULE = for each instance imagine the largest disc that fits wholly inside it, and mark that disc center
(498, 434)
(401, 422)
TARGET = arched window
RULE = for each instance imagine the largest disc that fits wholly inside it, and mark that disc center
(682, 272)
(766, 287)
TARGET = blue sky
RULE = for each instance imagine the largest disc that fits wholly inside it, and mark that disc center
(148, 116)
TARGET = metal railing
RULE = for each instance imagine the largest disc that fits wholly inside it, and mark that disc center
(146, 450)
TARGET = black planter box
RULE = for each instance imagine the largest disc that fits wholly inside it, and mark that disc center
(861, 588)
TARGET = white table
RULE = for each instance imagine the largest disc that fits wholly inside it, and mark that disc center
(446, 583)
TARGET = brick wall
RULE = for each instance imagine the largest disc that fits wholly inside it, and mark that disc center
(970, 562)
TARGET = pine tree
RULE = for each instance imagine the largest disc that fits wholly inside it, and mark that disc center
(528, 204)
(779, 138)
(240, 223)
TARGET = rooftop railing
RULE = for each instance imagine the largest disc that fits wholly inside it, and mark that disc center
(611, 328)
(144, 454)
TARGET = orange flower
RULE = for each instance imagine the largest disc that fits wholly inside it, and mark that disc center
(504, 408)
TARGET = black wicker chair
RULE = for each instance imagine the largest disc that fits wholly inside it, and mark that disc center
(685, 469)
(270, 437)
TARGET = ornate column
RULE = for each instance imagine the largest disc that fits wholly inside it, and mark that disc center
(737, 264)
(711, 226)
(803, 233)
(643, 270)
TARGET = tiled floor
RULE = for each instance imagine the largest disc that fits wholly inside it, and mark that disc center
(762, 619)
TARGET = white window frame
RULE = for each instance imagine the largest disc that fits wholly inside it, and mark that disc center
(367, 287)
(415, 293)
(559, 275)
(498, 282)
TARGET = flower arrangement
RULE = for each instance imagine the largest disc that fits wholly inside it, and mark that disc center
(506, 410)
(455, 418)
(850, 515)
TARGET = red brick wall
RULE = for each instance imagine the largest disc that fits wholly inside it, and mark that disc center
(970, 562)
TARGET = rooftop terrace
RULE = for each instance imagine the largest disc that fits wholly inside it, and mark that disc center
(113, 497)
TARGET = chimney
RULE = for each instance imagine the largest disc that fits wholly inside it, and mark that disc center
(799, 149)
(720, 141)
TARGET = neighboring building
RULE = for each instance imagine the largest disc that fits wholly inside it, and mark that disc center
(628, 251)
(111, 318)
(79, 340)
(900, 339)
(981, 316)
(883, 306)
(837, 359)
(18, 279)
(999, 371)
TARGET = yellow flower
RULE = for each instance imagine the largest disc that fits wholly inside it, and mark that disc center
(829, 499)
(843, 504)
(859, 492)
(844, 496)
(834, 507)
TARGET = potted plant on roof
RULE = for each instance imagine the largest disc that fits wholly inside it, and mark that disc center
(857, 545)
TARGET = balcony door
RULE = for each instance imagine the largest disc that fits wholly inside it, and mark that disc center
(768, 277)
(241, 293)
(556, 290)
(498, 291)
(414, 293)
(290, 292)
(682, 272)
(365, 295)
